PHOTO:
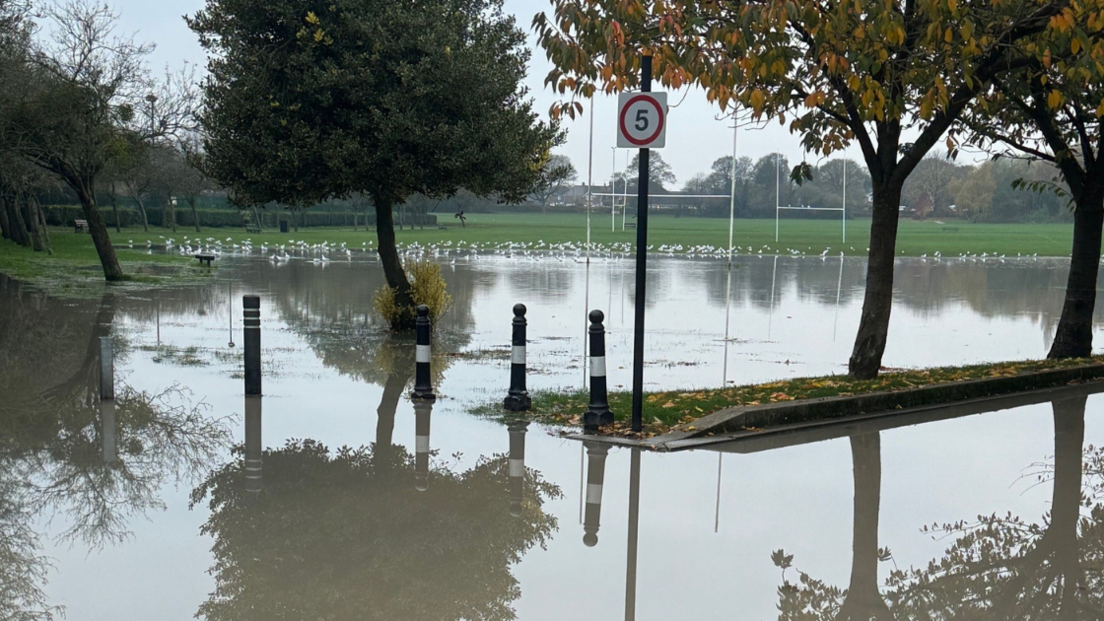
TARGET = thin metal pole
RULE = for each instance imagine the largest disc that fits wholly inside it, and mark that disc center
(589, 199)
(728, 306)
(770, 317)
(839, 289)
(776, 202)
(634, 535)
(625, 194)
(731, 203)
(641, 265)
(717, 512)
(845, 200)
(613, 190)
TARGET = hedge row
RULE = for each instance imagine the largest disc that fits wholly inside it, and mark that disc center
(64, 215)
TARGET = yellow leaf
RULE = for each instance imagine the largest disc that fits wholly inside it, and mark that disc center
(1054, 99)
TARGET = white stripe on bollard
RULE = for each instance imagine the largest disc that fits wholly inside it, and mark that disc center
(517, 467)
(421, 443)
(597, 366)
(423, 353)
(594, 494)
(518, 355)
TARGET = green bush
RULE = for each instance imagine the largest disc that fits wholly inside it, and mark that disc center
(427, 287)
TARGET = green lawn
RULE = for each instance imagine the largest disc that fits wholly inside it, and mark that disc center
(74, 259)
(74, 268)
(809, 236)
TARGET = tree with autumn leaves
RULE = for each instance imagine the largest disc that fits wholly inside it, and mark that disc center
(1050, 110)
(896, 78)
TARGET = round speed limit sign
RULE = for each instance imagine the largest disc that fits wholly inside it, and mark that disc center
(641, 120)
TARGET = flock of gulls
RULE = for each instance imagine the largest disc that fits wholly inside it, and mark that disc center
(324, 252)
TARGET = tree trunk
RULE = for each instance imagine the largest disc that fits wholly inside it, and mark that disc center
(42, 226)
(1065, 511)
(5, 223)
(142, 208)
(115, 209)
(19, 225)
(401, 370)
(870, 342)
(257, 218)
(392, 265)
(31, 219)
(98, 229)
(863, 600)
(1073, 339)
(195, 215)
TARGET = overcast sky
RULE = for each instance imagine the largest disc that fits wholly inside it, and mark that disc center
(694, 137)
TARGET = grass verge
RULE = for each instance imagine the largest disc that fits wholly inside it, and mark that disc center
(74, 268)
(663, 411)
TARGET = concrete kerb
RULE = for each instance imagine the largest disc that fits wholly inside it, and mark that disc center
(796, 414)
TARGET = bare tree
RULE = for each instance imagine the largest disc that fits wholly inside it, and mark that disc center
(87, 93)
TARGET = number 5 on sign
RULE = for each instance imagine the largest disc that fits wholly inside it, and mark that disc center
(641, 120)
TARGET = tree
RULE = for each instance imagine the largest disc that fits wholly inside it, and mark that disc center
(661, 177)
(555, 174)
(78, 98)
(974, 194)
(933, 179)
(1051, 110)
(389, 99)
(840, 74)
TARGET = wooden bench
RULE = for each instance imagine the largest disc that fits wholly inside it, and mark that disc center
(205, 258)
(630, 225)
(80, 226)
(252, 228)
(951, 229)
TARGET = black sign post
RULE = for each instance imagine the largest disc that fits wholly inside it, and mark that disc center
(641, 264)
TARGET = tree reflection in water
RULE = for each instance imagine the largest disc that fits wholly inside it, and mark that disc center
(64, 453)
(998, 567)
(345, 535)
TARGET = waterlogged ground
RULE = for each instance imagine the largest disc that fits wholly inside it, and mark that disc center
(144, 510)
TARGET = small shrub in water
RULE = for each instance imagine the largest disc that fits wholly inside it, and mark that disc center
(427, 287)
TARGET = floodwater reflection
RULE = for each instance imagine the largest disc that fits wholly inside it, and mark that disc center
(94, 464)
(367, 534)
(998, 566)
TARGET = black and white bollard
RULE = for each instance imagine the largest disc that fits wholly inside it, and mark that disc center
(596, 474)
(107, 369)
(251, 310)
(423, 387)
(599, 413)
(108, 431)
(517, 465)
(253, 445)
(423, 411)
(517, 400)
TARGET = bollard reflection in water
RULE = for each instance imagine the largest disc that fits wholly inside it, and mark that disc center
(108, 432)
(596, 474)
(517, 465)
(253, 445)
(423, 411)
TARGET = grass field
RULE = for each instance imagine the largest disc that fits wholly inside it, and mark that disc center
(74, 259)
(810, 236)
(75, 269)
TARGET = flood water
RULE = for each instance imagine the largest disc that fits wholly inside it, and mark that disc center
(318, 501)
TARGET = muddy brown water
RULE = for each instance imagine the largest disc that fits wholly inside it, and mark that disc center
(153, 509)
